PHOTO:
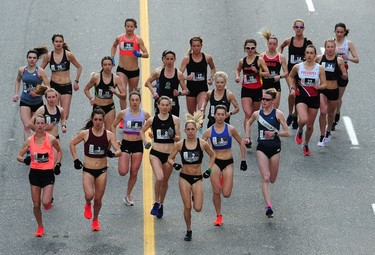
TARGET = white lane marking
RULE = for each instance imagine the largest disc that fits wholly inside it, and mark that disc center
(373, 208)
(310, 5)
(322, 50)
(350, 130)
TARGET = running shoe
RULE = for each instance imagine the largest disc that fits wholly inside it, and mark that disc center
(128, 201)
(95, 225)
(155, 209)
(295, 122)
(306, 150)
(160, 212)
(219, 220)
(269, 212)
(47, 207)
(289, 120)
(39, 232)
(321, 141)
(87, 213)
(298, 137)
(188, 235)
(327, 139)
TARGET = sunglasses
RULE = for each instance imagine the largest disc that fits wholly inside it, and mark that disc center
(267, 99)
(299, 27)
(250, 48)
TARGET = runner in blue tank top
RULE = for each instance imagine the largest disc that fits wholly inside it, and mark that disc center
(31, 98)
(269, 146)
(220, 136)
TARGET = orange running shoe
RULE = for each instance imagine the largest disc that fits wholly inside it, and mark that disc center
(88, 213)
(298, 137)
(219, 220)
(306, 150)
(47, 207)
(95, 225)
(39, 232)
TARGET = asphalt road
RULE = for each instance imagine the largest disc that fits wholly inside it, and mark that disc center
(323, 203)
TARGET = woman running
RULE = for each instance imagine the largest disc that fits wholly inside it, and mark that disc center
(97, 142)
(253, 68)
(105, 84)
(311, 78)
(296, 52)
(133, 118)
(220, 135)
(344, 48)
(220, 96)
(269, 146)
(169, 78)
(334, 68)
(131, 47)
(42, 167)
(190, 182)
(53, 114)
(274, 61)
(59, 61)
(165, 132)
(31, 97)
(196, 62)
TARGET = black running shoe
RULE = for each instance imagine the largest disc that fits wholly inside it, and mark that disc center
(289, 120)
(188, 236)
(159, 215)
(295, 122)
(269, 212)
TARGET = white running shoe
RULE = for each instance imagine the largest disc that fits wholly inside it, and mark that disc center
(128, 202)
(327, 139)
(321, 144)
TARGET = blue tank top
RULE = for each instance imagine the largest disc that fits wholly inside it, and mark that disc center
(268, 123)
(133, 123)
(29, 82)
(191, 157)
(221, 141)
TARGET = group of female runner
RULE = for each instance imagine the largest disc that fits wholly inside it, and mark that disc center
(315, 82)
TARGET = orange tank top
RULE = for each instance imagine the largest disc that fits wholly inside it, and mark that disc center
(127, 46)
(41, 155)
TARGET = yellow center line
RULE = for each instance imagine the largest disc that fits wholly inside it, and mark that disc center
(148, 191)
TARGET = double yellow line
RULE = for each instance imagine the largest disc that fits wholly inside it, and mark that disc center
(148, 192)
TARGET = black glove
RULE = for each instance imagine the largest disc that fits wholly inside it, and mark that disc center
(207, 173)
(57, 170)
(110, 154)
(177, 166)
(77, 164)
(171, 132)
(243, 166)
(147, 145)
(27, 160)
